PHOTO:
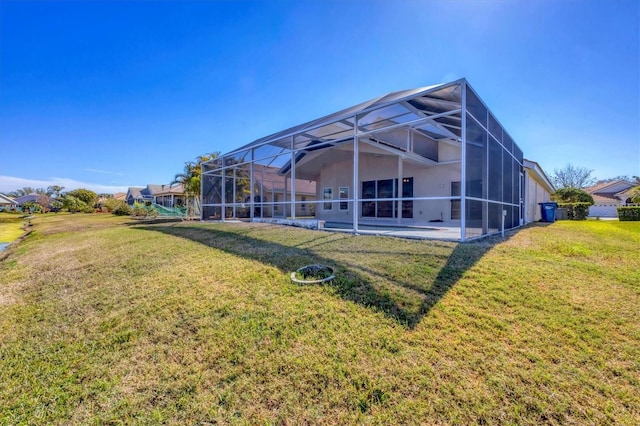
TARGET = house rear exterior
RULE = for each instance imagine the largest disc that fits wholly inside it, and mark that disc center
(430, 158)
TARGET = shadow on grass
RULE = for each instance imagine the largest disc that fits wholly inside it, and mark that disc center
(354, 280)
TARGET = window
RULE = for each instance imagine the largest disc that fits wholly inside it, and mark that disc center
(369, 191)
(455, 204)
(275, 201)
(327, 195)
(344, 195)
(387, 188)
(303, 206)
(407, 192)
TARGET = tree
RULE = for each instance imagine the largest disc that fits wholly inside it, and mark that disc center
(74, 204)
(87, 196)
(22, 192)
(634, 194)
(190, 178)
(572, 177)
(632, 179)
(572, 195)
(55, 190)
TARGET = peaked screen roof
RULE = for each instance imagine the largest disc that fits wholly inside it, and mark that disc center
(453, 95)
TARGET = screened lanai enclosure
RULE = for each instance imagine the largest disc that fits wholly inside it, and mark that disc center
(431, 160)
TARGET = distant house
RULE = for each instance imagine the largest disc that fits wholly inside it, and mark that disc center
(120, 196)
(7, 202)
(608, 196)
(29, 198)
(164, 195)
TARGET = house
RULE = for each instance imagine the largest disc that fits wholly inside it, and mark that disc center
(433, 159)
(29, 198)
(608, 196)
(121, 196)
(7, 202)
(164, 195)
(134, 195)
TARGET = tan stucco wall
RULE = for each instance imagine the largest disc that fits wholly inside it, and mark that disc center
(535, 194)
(427, 182)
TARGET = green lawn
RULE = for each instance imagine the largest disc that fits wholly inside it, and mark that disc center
(107, 320)
(11, 227)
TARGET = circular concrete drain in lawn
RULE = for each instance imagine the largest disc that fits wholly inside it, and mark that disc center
(313, 274)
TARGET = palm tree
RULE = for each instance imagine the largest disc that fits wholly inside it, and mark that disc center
(190, 179)
(634, 194)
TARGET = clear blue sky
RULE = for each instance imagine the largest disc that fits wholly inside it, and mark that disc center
(106, 95)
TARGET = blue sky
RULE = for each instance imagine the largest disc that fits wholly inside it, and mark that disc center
(106, 95)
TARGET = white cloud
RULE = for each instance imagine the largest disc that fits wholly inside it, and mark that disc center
(105, 172)
(11, 183)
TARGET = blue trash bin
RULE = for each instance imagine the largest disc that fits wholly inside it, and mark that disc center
(548, 212)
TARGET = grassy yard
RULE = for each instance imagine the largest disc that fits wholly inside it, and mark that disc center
(105, 320)
(11, 227)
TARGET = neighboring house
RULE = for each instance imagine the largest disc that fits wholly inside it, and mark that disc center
(7, 202)
(164, 195)
(608, 196)
(29, 198)
(121, 196)
(134, 195)
(431, 157)
(167, 195)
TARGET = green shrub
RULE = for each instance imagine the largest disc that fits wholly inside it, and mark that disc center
(122, 209)
(629, 213)
(576, 211)
(144, 210)
(75, 205)
(572, 195)
(139, 210)
(117, 207)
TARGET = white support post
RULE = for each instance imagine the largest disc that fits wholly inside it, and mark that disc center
(251, 189)
(235, 215)
(202, 178)
(356, 160)
(504, 215)
(284, 200)
(463, 166)
(399, 190)
(224, 191)
(293, 179)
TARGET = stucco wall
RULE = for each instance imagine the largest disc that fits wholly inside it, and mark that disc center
(535, 194)
(427, 182)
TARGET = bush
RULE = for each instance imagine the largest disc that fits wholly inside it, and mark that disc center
(629, 213)
(138, 210)
(88, 197)
(576, 211)
(122, 209)
(572, 195)
(75, 205)
(143, 210)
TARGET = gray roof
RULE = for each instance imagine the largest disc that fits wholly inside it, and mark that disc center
(28, 198)
(452, 94)
(152, 190)
(7, 200)
(134, 192)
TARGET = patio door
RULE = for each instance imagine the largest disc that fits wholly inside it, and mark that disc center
(378, 190)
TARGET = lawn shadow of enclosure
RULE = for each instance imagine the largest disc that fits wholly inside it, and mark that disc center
(404, 285)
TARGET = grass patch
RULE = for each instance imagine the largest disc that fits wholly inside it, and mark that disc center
(11, 227)
(108, 321)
